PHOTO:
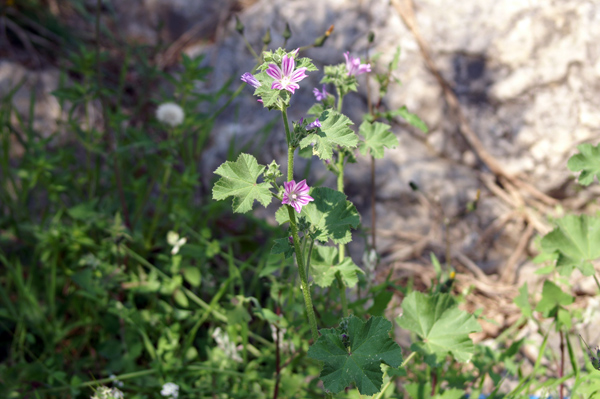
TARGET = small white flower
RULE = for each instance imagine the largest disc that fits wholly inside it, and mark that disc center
(176, 242)
(170, 390)
(115, 381)
(170, 113)
(107, 393)
(224, 343)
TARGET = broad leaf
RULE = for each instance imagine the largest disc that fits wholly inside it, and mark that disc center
(522, 301)
(353, 353)
(330, 215)
(575, 241)
(442, 326)
(324, 265)
(587, 161)
(334, 131)
(377, 135)
(239, 180)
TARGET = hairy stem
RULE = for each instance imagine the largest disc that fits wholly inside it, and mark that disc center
(296, 239)
(341, 247)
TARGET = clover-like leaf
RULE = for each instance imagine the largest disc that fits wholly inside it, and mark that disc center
(334, 131)
(587, 161)
(575, 241)
(377, 135)
(324, 266)
(442, 326)
(330, 215)
(239, 180)
(354, 352)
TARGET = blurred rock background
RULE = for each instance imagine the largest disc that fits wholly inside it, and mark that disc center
(524, 74)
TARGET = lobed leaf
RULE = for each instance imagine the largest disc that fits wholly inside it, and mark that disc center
(575, 242)
(324, 266)
(334, 131)
(587, 162)
(239, 180)
(330, 215)
(442, 326)
(353, 353)
(377, 135)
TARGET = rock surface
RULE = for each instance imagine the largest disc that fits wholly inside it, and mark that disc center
(525, 73)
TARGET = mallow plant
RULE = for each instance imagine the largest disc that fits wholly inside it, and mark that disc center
(319, 223)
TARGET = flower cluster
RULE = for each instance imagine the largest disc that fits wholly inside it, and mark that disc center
(226, 345)
(170, 390)
(107, 393)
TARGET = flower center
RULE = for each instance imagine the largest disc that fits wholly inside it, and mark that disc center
(285, 81)
(294, 196)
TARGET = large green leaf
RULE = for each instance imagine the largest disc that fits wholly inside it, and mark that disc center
(330, 214)
(575, 241)
(354, 352)
(239, 180)
(334, 131)
(587, 161)
(442, 326)
(377, 135)
(324, 266)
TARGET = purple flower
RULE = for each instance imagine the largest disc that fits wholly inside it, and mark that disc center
(250, 79)
(354, 66)
(296, 195)
(320, 95)
(314, 124)
(285, 77)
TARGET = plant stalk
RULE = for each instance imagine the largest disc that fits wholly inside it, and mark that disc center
(296, 239)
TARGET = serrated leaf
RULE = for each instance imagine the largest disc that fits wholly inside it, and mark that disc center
(377, 135)
(334, 131)
(357, 357)
(552, 298)
(316, 109)
(330, 214)
(283, 246)
(239, 180)
(442, 326)
(575, 241)
(587, 162)
(324, 266)
(411, 118)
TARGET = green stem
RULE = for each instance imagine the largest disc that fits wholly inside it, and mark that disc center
(380, 394)
(303, 275)
(341, 247)
(161, 193)
(288, 137)
(294, 227)
(340, 99)
(597, 282)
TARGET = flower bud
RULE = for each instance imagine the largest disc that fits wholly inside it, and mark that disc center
(267, 37)
(239, 26)
(287, 33)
